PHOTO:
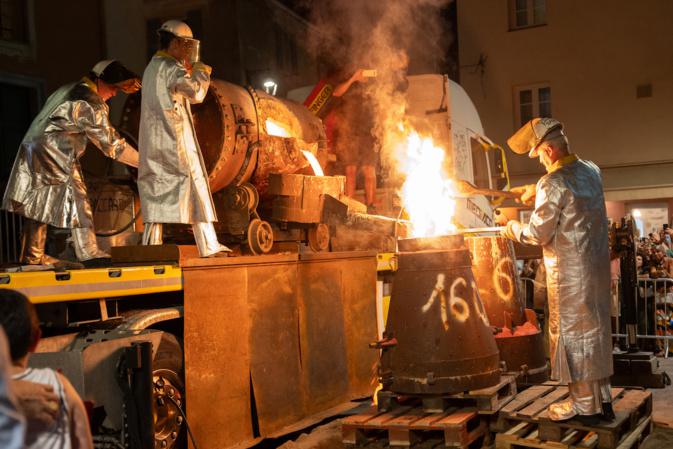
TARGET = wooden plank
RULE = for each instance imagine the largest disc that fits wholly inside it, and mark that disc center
(590, 441)
(572, 437)
(542, 403)
(631, 400)
(456, 419)
(427, 422)
(379, 420)
(407, 419)
(503, 441)
(631, 439)
(519, 429)
(361, 418)
(526, 397)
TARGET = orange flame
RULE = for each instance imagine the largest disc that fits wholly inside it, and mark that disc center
(428, 195)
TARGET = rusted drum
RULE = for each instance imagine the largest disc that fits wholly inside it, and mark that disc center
(245, 134)
(437, 338)
(493, 265)
(520, 340)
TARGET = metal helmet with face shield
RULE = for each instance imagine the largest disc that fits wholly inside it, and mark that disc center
(536, 131)
(183, 32)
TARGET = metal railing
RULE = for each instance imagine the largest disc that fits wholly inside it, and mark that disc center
(10, 237)
(654, 310)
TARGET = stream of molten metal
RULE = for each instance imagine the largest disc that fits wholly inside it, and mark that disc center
(428, 194)
(315, 165)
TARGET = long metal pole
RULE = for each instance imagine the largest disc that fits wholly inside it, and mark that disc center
(479, 230)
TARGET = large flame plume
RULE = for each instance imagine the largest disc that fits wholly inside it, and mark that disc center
(428, 194)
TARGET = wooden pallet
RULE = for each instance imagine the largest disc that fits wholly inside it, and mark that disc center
(527, 414)
(525, 435)
(457, 427)
(491, 399)
(486, 400)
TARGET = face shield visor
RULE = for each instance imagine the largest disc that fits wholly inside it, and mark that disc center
(192, 49)
(527, 139)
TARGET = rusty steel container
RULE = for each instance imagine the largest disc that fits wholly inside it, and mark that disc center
(494, 269)
(437, 339)
(245, 134)
(519, 338)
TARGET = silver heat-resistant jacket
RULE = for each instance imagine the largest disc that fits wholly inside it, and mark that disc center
(46, 182)
(172, 177)
(570, 222)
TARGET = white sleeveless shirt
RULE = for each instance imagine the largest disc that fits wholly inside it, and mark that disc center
(58, 435)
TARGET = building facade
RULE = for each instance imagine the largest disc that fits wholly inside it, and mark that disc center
(245, 41)
(604, 68)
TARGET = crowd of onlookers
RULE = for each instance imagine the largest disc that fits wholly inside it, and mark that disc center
(654, 260)
(654, 256)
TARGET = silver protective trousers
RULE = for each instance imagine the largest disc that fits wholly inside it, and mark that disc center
(34, 239)
(586, 398)
(204, 235)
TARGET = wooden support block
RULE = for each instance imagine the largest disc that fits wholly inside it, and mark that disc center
(352, 435)
(401, 437)
(550, 432)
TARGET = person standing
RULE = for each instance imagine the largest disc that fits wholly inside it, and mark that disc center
(70, 428)
(172, 178)
(12, 423)
(349, 124)
(46, 185)
(570, 223)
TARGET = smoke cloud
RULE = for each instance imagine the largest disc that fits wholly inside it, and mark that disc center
(395, 37)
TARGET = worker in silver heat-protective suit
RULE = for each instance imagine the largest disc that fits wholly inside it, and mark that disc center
(172, 177)
(570, 223)
(46, 184)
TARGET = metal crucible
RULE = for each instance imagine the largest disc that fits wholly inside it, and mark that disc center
(437, 339)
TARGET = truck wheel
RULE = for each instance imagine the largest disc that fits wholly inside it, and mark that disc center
(318, 237)
(260, 236)
(169, 394)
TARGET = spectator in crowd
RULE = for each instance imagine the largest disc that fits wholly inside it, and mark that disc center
(71, 427)
(12, 423)
(655, 255)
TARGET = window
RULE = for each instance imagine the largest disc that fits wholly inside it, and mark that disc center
(527, 13)
(487, 165)
(480, 165)
(19, 101)
(532, 101)
(286, 51)
(14, 20)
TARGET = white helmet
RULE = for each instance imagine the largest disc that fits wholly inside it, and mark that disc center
(177, 28)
